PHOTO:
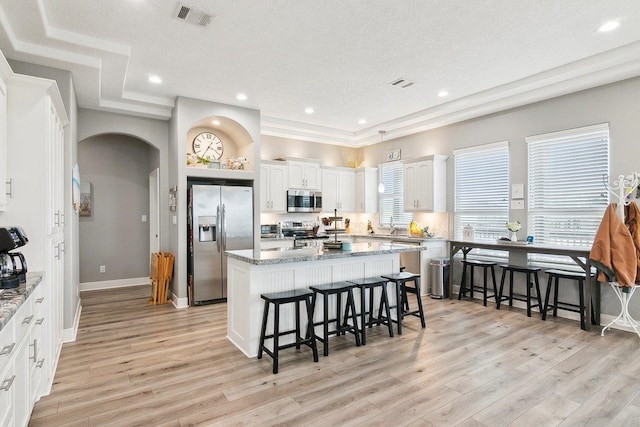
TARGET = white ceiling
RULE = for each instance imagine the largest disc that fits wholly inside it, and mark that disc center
(335, 56)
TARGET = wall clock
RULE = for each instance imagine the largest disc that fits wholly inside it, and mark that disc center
(393, 155)
(207, 145)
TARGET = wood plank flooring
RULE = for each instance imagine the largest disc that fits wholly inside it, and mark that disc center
(139, 365)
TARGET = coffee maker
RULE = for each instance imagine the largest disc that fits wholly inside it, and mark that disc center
(13, 266)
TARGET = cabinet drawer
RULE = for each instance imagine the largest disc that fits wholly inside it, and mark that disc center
(7, 343)
(7, 396)
(24, 319)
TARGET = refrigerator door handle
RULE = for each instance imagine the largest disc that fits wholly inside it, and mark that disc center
(218, 233)
(224, 228)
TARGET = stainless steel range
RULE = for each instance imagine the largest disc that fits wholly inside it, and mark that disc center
(304, 233)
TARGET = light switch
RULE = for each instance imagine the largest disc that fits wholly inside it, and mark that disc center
(517, 191)
(175, 220)
(517, 204)
(144, 218)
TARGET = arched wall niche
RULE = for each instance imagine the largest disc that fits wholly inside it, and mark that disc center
(236, 139)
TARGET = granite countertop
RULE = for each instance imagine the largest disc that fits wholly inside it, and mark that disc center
(267, 257)
(398, 237)
(12, 299)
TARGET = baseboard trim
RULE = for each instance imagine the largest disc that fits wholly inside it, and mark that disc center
(69, 334)
(179, 302)
(111, 284)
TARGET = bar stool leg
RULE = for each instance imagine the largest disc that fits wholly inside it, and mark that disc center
(263, 330)
(535, 280)
(546, 298)
(502, 278)
(484, 286)
(471, 282)
(463, 282)
(276, 334)
(528, 284)
(298, 337)
(387, 310)
(495, 287)
(310, 331)
(511, 288)
(582, 314)
(325, 325)
(363, 316)
(351, 303)
(555, 297)
(421, 311)
(400, 297)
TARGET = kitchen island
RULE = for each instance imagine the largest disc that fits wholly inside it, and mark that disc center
(251, 273)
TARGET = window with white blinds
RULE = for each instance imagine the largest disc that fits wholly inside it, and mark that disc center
(482, 190)
(392, 200)
(567, 196)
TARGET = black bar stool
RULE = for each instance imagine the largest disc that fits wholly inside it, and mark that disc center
(342, 326)
(295, 296)
(371, 283)
(485, 265)
(402, 302)
(530, 272)
(554, 278)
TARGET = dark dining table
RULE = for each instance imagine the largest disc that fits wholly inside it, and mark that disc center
(580, 255)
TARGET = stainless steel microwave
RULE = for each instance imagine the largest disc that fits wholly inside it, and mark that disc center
(304, 201)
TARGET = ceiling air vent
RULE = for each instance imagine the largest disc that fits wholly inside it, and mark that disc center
(193, 15)
(402, 83)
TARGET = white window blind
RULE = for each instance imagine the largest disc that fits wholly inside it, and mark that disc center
(567, 196)
(482, 190)
(392, 200)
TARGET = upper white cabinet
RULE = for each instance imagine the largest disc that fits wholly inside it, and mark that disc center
(425, 184)
(5, 74)
(367, 190)
(304, 174)
(35, 146)
(338, 189)
(273, 186)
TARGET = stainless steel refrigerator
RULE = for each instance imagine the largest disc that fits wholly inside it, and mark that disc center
(220, 218)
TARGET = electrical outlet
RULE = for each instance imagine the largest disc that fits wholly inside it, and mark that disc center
(144, 218)
(103, 268)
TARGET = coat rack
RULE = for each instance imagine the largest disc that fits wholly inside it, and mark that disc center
(624, 189)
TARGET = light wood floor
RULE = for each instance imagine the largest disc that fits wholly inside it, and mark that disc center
(133, 364)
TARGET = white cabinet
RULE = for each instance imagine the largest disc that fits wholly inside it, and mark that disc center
(425, 184)
(24, 366)
(338, 189)
(304, 174)
(273, 186)
(367, 190)
(35, 135)
(5, 74)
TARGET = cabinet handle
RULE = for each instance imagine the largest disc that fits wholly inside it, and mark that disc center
(40, 363)
(61, 219)
(57, 218)
(35, 350)
(62, 247)
(40, 321)
(9, 188)
(6, 384)
(7, 349)
(56, 252)
(27, 320)
(39, 300)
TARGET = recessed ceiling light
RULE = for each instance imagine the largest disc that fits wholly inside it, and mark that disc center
(309, 110)
(362, 122)
(443, 93)
(155, 79)
(608, 26)
(241, 97)
(216, 122)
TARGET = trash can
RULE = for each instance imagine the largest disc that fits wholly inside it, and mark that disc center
(439, 278)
